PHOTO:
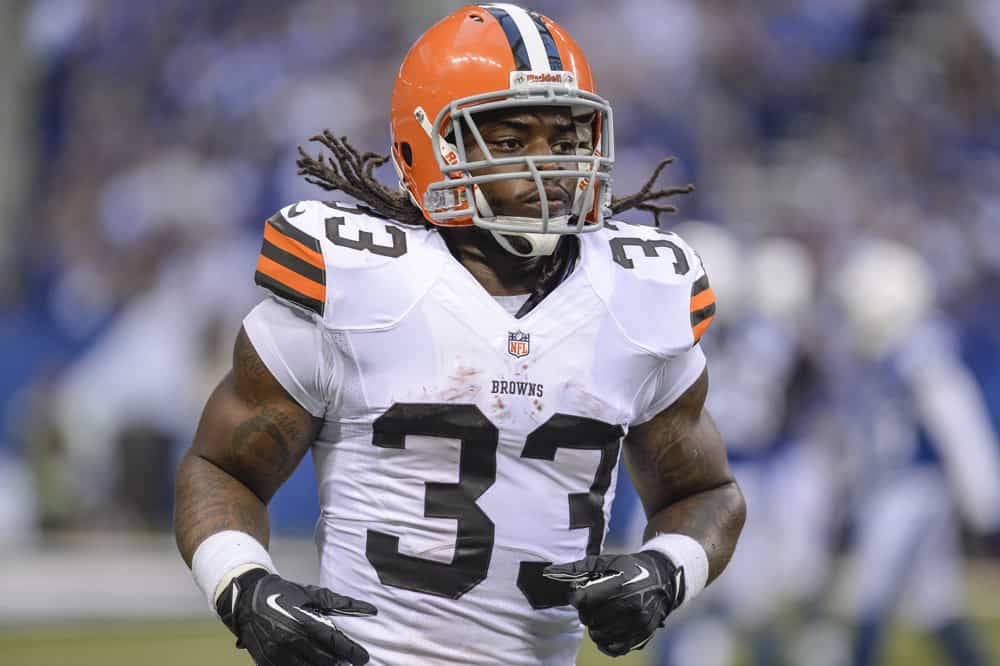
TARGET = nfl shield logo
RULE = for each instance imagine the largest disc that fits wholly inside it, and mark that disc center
(518, 343)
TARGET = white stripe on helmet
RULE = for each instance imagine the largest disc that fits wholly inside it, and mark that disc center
(537, 55)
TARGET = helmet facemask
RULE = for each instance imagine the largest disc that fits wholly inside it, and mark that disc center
(459, 194)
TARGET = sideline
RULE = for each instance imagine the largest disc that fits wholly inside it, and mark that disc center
(117, 577)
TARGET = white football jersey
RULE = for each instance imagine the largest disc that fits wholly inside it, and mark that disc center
(463, 449)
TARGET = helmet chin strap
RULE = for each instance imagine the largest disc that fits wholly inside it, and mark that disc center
(518, 244)
(533, 245)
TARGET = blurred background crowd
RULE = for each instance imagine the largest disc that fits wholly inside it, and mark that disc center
(846, 155)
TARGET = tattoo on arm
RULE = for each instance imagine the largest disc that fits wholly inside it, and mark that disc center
(678, 464)
(251, 438)
(208, 500)
(274, 454)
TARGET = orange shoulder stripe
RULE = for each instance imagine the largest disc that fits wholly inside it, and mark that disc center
(700, 329)
(291, 279)
(702, 299)
(293, 247)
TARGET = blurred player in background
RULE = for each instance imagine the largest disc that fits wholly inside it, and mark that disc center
(765, 397)
(925, 455)
(465, 355)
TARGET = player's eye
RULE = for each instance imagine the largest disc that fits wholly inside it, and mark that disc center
(564, 147)
(508, 145)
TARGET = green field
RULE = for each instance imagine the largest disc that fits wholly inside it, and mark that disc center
(143, 644)
(201, 642)
(207, 642)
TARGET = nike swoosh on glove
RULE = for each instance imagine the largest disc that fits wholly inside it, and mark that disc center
(622, 599)
(281, 623)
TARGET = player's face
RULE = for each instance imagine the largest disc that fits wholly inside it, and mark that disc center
(527, 131)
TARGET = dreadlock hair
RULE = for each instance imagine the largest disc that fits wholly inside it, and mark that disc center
(349, 171)
(646, 198)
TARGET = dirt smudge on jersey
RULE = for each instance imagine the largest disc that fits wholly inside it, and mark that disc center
(464, 373)
(500, 410)
(463, 384)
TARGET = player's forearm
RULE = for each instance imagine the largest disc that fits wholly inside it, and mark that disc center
(209, 500)
(713, 518)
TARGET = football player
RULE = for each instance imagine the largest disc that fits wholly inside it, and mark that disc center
(927, 455)
(464, 357)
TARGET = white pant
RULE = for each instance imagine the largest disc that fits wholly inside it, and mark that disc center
(906, 552)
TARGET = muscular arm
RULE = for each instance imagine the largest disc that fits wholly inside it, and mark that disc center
(252, 435)
(678, 463)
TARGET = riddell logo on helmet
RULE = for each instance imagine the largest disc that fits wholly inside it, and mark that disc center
(543, 78)
(522, 79)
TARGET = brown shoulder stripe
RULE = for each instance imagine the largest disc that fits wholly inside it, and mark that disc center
(289, 254)
(702, 307)
(700, 285)
(279, 222)
(288, 294)
(291, 265)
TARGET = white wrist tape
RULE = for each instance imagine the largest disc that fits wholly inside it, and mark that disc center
(223, 556)
(684, 552)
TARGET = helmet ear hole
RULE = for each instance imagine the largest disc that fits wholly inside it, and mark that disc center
(407, 153)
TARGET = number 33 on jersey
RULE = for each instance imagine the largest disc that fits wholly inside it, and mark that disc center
(463, 449)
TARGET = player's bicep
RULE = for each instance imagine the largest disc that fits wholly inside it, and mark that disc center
(678, 453)
(251, 427)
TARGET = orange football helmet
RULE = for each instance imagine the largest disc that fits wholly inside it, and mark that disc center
(482, 58)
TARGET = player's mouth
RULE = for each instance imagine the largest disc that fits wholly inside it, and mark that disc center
(557, 197)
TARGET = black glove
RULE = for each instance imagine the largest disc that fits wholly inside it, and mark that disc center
(622, 599)
(282, 623)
